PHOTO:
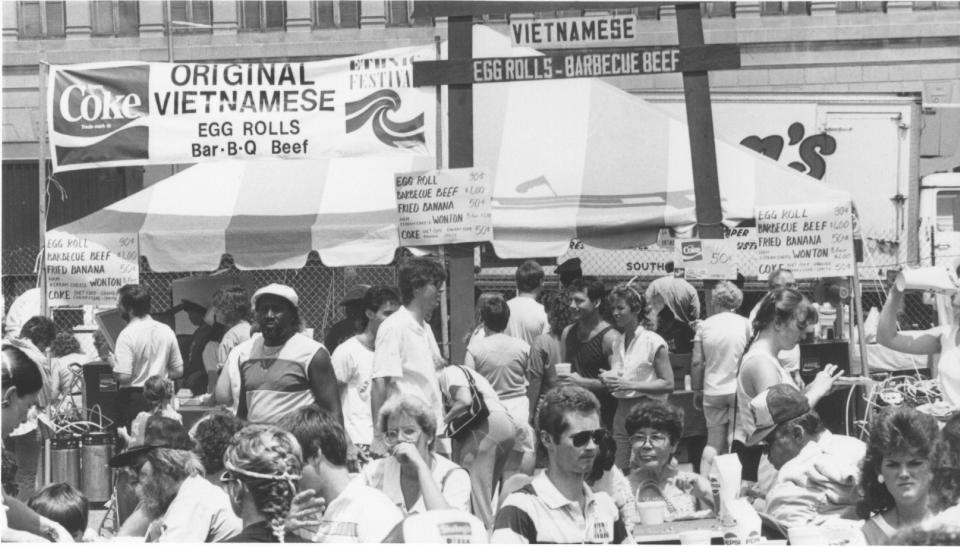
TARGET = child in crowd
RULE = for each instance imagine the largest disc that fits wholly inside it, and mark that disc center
(63, 504)
(159, 392)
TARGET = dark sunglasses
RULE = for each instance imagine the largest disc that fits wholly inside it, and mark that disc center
(579, 439)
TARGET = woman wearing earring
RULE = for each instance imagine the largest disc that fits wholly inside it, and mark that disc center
(781, 321)
(896, 473)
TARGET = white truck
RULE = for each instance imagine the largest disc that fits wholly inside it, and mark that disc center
(940, 220)
(867, 144)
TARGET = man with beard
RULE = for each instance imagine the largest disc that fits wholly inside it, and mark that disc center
(144, 348)
(174, 495)
(406, 356)
(557, 506)
(282, 369)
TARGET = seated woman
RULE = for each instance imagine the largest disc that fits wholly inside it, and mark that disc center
(896, 473)
(655, 429)
(211, 436)
(413, 476)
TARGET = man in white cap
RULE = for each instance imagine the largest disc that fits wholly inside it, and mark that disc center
(282, 369)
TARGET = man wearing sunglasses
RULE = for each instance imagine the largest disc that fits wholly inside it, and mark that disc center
(557, 506)
(817, 472)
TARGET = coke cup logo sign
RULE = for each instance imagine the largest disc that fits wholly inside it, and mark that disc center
(99, 101)
(691, 251)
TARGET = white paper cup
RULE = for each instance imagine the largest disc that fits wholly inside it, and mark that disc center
(807, 535)
(695, 537)
(929, 279)
(652, 512)
(563, 369)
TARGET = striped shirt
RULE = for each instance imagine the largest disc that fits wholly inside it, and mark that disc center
(539, 513)
(275, 381)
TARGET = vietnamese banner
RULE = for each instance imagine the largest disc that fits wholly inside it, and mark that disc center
(134, 113)
(446, 206)
(812, 240)
(89, 270)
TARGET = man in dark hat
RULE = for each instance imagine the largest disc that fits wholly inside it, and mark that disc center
(353, 322)
(568, 271)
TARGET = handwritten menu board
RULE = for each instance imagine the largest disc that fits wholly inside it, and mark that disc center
(813, 240)
(708, 258)
(444, 206)
(88, 270)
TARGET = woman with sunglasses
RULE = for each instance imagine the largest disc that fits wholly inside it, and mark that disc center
(655, 429)
(413, 476)
(780, 323)
(262, 466)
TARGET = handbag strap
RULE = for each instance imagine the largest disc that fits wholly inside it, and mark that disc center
(473, 386)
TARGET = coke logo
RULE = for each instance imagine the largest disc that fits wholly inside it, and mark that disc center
(91, 102)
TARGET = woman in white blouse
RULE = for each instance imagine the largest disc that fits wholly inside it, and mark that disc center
(639, 365)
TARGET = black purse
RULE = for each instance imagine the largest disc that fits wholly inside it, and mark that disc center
(476, 412)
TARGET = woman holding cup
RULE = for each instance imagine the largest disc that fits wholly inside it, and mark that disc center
(942, 339)
(639, 366)
(655, 428)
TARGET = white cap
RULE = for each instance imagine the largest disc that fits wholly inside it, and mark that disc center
(276, 289)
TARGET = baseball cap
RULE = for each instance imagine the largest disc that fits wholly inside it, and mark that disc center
(441, 526)
(159, 432)
(355, 293)
(774, 406)
(276, 289)
(190, 305)
(571, 265)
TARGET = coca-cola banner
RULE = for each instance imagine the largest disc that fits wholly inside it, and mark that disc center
(133, 113)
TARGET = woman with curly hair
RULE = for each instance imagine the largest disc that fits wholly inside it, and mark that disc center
(263, 464)
(896, 473)
(655, 428)
(546, 350)
(211, 436)
(639, 366)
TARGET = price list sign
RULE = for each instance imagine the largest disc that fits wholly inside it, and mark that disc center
(89, 270)
(444, 206)
(813, 240)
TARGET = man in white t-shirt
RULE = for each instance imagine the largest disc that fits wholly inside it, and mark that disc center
(528, 319)
(144, 348)
(406, 355)
(353, 364)
(356, 513)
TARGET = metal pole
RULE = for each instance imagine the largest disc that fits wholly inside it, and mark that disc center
(42, 186)
(169, 32)
(444, 306)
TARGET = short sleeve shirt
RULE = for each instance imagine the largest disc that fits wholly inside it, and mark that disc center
(539, 513)
(503, 360)
(407, 351)
(147, 348)
(528, 319)
(360, 514)
(723, 337)
(353, 364)
(275, 381)
(454, 482)
(454, 376)
(199, 513)
(636, 361)
(237, 334)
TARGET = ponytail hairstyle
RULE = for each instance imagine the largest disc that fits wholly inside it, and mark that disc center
(20, 370)
(557, 305)
(158, 391)
(779, 306)
(268, 461)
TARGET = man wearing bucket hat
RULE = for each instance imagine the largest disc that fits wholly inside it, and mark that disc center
(350, 325)
(281, 369)
(817, 472)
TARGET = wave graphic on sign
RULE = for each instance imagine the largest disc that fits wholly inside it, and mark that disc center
(69, 141)
(376, 107)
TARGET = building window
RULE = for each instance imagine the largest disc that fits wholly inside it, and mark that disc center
(191, 16)
(41, 19)
(859, 7)
(115, 18)
(402, 13)
(716, 9)
(261, 15)
(336, 14)
(785, 8)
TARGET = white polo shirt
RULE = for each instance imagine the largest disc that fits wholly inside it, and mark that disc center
(146, 348)
(539, 513)
(407, 351)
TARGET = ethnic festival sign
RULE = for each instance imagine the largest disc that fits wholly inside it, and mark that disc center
(136, 113)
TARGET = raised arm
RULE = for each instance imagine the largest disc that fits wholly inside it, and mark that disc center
(918, 343)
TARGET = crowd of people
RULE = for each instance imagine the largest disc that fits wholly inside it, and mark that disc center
(555, 427)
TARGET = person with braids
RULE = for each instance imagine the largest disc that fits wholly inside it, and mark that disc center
(781, 321)
(546, 349)
(640, 365)
(588, 344)
(896, 473)
(263, 464)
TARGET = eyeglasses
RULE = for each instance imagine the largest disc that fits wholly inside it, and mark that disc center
(580, 438)
(656, 439)
(408, 434)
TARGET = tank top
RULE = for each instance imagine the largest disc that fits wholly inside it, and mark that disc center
(948, 366)
(586, 358)
(745, 424)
